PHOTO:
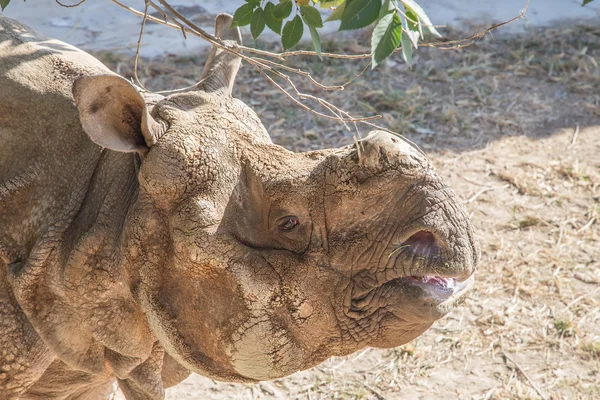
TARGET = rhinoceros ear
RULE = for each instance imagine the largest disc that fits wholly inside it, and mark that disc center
(114, 115)
(221, 67)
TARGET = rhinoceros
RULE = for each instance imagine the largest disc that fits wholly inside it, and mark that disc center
(143, 238)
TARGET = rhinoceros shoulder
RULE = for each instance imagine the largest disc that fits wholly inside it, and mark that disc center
(33, 61)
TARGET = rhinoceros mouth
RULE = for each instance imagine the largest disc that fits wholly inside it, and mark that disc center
(423, 281)
(440, 289)
(429, 272)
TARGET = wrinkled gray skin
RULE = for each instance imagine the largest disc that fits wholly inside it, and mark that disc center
(142, 238)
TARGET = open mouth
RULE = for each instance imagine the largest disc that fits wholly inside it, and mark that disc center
(426, 246)
(424, 281)
(441, 288)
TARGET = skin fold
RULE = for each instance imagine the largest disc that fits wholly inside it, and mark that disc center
(145, 237)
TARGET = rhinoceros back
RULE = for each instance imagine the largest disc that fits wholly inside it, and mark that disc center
(46, 160)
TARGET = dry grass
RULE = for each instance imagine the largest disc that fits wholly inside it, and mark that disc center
(512, 124)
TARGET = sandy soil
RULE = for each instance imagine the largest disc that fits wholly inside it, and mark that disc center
(513, 124)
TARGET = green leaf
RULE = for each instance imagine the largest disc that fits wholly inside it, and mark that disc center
(273, 23)
(586, 2)
(257, 2)
(311, 16)
(243, 15)
(4, 3)
(337, 13)
(316, 39)
(411, 5)
(386, 37)
(283, 9)
(412, 28)
(292, 32)
(386, 8)
(407, 50)
(359, 13)
(257, 25)
(330, 3)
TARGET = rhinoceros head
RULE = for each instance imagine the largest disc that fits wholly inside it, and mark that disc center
(252, 262)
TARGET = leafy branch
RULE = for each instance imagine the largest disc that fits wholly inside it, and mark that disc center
(398, 24)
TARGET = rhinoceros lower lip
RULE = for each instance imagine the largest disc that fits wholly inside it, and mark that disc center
(442, 288)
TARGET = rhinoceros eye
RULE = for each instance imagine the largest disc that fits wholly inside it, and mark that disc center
(288, 223)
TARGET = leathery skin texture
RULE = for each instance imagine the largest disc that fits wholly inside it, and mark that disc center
(145, 237)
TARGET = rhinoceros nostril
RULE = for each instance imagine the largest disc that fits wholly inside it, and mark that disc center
(421, 244)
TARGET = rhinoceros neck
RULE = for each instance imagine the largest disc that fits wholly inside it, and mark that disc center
(71, 285)
(63, 204)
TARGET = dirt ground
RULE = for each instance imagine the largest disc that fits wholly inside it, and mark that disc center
(513, 124)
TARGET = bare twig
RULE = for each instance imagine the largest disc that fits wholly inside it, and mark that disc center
(265, 61)
(69, 6)
(574, 137)
(479, 193)
(168, 17)
(301, 72)
(137, 50)
(260, 65)
(371, 389)
(173, 24)
(358, 75)
(577, 300)
(205, 35)
(590, 222)
(307, 96)
(522, 371)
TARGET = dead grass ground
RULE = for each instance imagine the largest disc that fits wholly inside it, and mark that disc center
(513, 124)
